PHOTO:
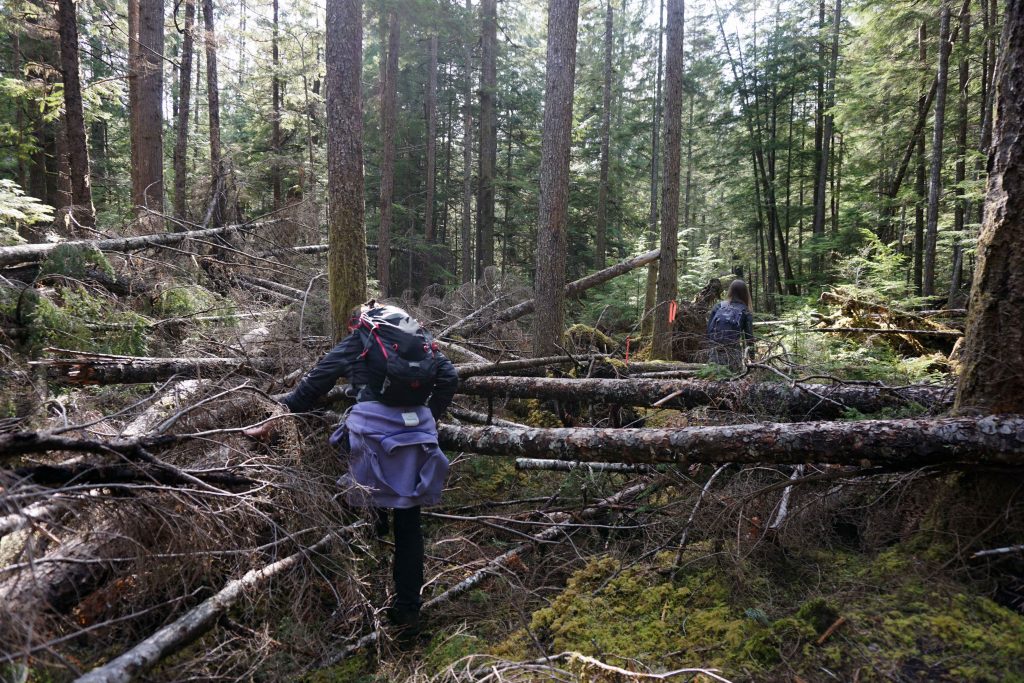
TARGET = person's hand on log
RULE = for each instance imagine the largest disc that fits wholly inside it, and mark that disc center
(263, 430)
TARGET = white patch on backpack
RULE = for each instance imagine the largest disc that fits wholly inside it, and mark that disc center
(411, 419)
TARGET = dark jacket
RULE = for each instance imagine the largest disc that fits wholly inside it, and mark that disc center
(344, 361)
(746, 319)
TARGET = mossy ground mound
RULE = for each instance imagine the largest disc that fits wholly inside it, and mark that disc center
(897, 624)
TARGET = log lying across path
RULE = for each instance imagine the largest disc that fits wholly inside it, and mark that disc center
(23, 253)
(101, 369)
(990, 440)
(572, 289)
(141, 370)
(804, 400)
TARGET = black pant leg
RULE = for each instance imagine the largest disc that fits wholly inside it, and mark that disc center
(408, 566)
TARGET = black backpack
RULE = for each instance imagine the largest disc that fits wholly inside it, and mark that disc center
(400, 356)
(726, 326)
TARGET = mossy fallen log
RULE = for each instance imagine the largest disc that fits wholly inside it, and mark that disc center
(801, 400)
(990, 440)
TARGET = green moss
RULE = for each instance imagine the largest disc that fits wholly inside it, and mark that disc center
(356, 669)
(75, 261)
(536, 416)
(585, 337)
(445, 649)
(184, 300)
(86, 323)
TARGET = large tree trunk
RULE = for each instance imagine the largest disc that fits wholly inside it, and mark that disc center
(388, 113)
(184, 103)
(805, 400)
(127, 370)
(651, 292)
(902, 444)
(661, 343)
(347, 258)
(488, 136)
(147, 67)
(218, 173)
(992, 374)
(431, 113)
(467, 163)
(961, 161)
(826, 130)
(554, 176)
(601, 230)
(935, 177)
(275, 120)
(74, 116)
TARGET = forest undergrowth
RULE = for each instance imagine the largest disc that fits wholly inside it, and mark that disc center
(808, 572)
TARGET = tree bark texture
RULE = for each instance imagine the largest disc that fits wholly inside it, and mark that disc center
(990, 440)
(467, 162)
(148, 167)
(960, 211)
(388, 113)
(601, 230)
(661, 342)
(805, 400)
(488, 136)
(179, 633)
(574, 288)
(83, 371)
(548, 321)
(931, 233)
(431, 114)
(650, 292)
(275, 121)
(184, 103)
(346, 264)
(74, 116)
(218, 173)
(826, 130)
(992, 364)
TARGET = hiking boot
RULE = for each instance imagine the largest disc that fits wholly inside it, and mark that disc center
(406, 622)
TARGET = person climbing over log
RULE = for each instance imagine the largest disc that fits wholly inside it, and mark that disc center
(731, 328)
(402, 384)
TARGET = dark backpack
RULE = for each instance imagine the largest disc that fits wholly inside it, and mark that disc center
(726, 326)
(400, 356)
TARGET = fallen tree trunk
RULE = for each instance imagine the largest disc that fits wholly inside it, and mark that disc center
(188, 627)
(290, 292)
(142, 370)
(572, 289)
(876, 330)
(107, 475)
(572, 465)
(991, 440)
(808, 400)
(23, 253)
(474, 369)
(14, 444)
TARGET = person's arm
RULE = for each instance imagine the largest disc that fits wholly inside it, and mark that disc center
(322, 378)
(445, 386)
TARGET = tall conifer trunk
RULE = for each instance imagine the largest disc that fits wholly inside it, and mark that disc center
(650, 294)
(431, 114)
(488, 136)
(275, 122)
(467, 162)
(74, 116)
(218, 174)
(184, 102)
(147, 72)
(388, 114)
(347, 256)
(821, 178)
(661, 346)
(601, 237)
(931, 234)
(549, 318)
(992, 375)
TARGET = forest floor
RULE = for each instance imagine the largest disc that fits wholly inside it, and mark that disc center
(739, 573)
